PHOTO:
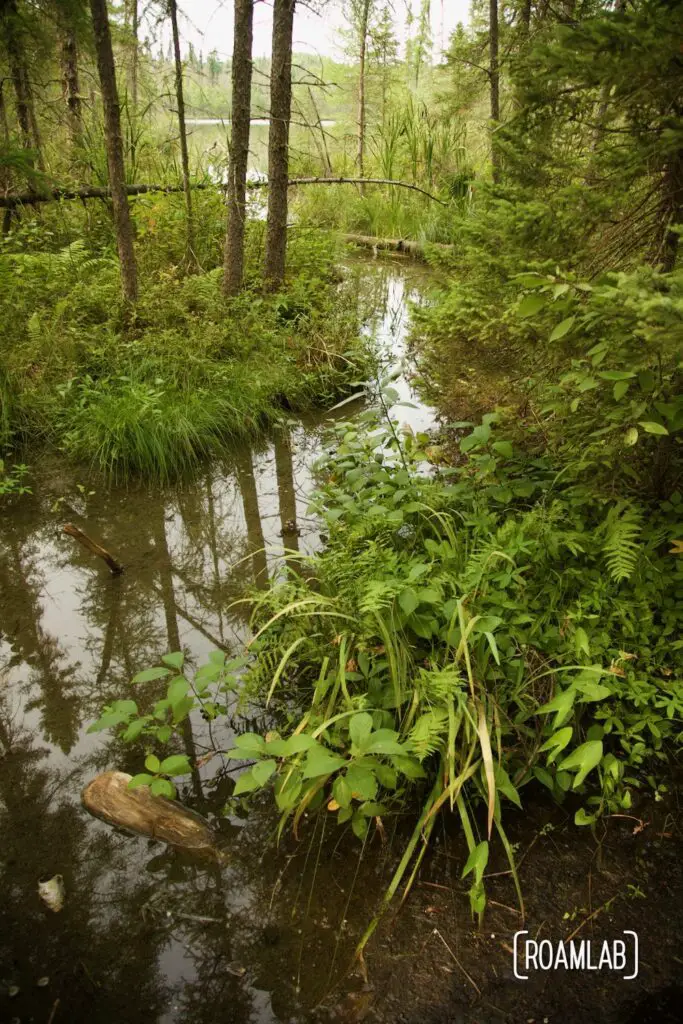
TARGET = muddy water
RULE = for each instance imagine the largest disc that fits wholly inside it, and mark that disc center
(149, 934)
(145, 933)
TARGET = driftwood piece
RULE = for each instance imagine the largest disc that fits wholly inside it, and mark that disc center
(94, 548)
(10, 201)
(137, 810)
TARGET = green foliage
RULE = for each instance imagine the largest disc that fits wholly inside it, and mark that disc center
(191, 371)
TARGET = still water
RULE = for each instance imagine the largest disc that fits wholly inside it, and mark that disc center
(148, 933)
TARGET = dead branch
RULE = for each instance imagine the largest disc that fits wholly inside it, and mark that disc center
(94, 548)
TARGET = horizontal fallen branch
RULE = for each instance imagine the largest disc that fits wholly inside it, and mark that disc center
(415, 249)
(11, 202)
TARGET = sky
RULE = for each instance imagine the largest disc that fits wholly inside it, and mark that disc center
(207, 24)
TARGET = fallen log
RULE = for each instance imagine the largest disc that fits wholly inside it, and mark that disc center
(406, 246)
(94, 548)
(11, 202)
(136, 810)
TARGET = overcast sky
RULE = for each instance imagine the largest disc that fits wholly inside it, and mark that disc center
(208, 25)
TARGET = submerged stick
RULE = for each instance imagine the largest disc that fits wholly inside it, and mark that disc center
(94, 548)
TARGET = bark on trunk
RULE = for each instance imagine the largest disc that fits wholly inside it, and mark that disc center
(239, 147)
(15, 57)
(72, 92)
(114, 146)
(494, 75)
(278, 143)
(133, 21)
(184, 158)
(363, 33)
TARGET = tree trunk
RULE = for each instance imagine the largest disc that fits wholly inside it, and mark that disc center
(363, 34)
(114, 146)
(184, 158)
(15, 57)
(71, 86)
(239, 147)
(4, 127)
(494, 75)
(133, 22)
(278, 143)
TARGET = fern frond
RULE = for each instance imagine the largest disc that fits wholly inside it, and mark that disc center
(621, 544)
(429, 733)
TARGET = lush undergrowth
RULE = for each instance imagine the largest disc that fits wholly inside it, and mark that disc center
(191, 370)
(508, 622)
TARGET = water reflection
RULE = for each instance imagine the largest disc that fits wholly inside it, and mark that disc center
(148, 933)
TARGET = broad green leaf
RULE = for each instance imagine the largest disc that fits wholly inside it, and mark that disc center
(250, 742)
(175, 660)
(620, 389)
(384, 741)
(360, 728)
(561, 703)
(341, 791)
(361, 782)
(585, 758)
(581, 641)
(408, 600)
(630, 437)
(150, 674)
(650, 427)
(564, 327)
(163, 787)
(263, 771)
(556, 743)
(530, 305)
(152, 763)
(503, 448)
(477, 861)
(140, 780)
(177, 764)
(177, 689)
(582, 817)
(246, 783)
(616, 374)
(359, 824)
(504, 785)
(409, 766)
(321, 761)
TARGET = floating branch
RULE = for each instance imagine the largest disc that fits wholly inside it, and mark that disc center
(10, 202)
(94, 548)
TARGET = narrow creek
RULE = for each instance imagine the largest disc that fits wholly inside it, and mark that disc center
(149, 933)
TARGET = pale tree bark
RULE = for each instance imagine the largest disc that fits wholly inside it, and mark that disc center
(114, 146)
(11, 28)
(233, 267)
(278, 143)
(364, 17)
(133, 24)
(184, 157)
(494, 76)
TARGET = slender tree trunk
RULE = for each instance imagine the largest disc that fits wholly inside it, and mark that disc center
(35, 130)
(278, 143)
(133, 23)
(4, 128)
(72, 92)
(15, 57)
(363, 34)
(494, 75)
(114, 146)
(525, 18)
(184, 158)
(252, 517)
(239, 147)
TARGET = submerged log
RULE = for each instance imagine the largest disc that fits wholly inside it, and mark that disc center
(137, 810)
(94, 548)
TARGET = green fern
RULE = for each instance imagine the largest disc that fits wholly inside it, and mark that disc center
(621, 544)
(429, 732)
